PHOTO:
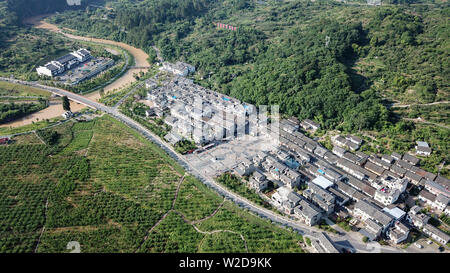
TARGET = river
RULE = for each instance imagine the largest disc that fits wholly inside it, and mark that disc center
(56, 110)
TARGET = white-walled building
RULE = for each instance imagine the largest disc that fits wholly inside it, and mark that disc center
(64, 63)
(422, 148)
(179, 68)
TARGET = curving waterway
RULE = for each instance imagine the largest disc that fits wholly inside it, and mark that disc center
(55, 110)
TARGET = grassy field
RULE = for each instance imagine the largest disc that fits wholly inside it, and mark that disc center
(11, 89)
(104, 186)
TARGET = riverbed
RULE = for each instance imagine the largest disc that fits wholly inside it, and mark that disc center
(55, 109)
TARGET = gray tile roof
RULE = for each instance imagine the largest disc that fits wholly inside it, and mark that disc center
(65, 59)
(397, 170)
(374, 168)
(338, 150)
(396, 156)
(327, 243)
(351, 157)
(294, 197)
(412, 159)
(354, 139)
(405, 165)
(437, 186)
(443, 181)
(437, 232)
(51, 67)
(443, 199)
(427, 195)
(387, 158)
(374, 212)
(412, 176)
(306, 208)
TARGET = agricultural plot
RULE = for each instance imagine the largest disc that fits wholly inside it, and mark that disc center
(18, 90)
(222, 242)
(123, 195)
(24, 188)
(172, 235)
(260, 235)
(30, 138)
(195, 201)
(82, 135)
(130, 168)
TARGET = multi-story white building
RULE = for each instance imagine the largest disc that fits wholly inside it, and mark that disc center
(366, 210)
(179, 68)
(308, 213)
(64, 63)
(398, 233)
(258, 181)
(388, 189)
(386, 196)
(441, 202)
(422, 148)
(320, 197)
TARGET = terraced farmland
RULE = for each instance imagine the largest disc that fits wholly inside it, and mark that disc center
(104, 186)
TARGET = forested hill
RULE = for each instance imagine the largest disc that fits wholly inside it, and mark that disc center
(340, 64)
(19, 9)
(280, 53)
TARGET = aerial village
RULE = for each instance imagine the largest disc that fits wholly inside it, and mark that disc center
(381, 197)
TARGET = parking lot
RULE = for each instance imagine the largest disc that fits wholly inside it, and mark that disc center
(226, 155)
(85, 70)
(427, 246)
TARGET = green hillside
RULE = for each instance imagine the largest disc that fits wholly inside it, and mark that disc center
(101, 184)
(342, 65)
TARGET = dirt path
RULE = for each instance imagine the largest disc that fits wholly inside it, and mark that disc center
(193, 224)
(43, 226)
(158, 54)
(165, 214)
(398, 105)
(209, 216)
(172, 209)
(222, 230)
(420, 120)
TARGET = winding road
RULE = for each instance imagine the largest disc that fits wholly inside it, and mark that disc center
(140, 57)
(346, 240)
(125, 79)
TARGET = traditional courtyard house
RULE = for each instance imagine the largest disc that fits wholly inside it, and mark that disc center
(422, 148)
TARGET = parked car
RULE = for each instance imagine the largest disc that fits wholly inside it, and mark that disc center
(418, 245)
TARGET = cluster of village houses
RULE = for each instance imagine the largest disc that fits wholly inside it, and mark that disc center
(370, 188)
(197, 113)
(378, 185)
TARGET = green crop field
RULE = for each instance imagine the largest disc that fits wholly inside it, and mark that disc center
(101, 184)
(11, 89)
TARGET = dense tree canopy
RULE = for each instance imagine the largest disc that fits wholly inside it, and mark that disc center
(333, 69)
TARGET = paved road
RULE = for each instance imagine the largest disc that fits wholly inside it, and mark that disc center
(346, 240)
